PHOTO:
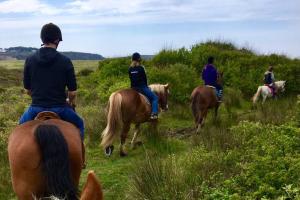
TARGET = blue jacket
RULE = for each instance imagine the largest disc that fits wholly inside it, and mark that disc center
(209, 75)
(138, 78)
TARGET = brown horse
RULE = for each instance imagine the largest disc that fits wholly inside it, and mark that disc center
(46, 159)
(128, 106)
(204, 98)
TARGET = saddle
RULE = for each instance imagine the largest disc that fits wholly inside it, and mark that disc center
(145, 98)
(46, 115)
(272, 89)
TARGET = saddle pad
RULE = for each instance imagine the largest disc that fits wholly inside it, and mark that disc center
(210, 86)
(146, 99)
(270, 88)
(46, 115)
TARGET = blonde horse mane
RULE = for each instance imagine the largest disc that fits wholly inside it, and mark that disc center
(159, 88)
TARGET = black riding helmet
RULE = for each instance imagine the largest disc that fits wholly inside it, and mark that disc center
(136, 57)
(210, 60)
(50, 33)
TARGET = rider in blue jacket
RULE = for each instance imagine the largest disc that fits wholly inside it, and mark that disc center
(139, 83)
(210, 77)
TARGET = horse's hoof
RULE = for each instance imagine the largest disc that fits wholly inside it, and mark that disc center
(123, 154)
(108, 150)
(139, 143)
(136, 144)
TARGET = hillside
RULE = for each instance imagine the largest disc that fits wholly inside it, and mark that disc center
(21, 53)
(248, 152)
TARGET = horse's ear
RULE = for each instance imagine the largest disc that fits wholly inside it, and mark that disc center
(167, 85)
(92, 189)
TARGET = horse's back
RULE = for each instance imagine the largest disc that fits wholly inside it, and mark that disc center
(25, 157)
(204, 95)
(134, 106)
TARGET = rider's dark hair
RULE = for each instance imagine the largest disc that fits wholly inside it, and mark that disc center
(50, 33)
(210, 60)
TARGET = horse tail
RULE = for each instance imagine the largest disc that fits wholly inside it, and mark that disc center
(196, 105)
(255, 97)
(55, 161)
(114, 119)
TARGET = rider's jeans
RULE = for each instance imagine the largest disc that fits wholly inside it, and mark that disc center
(151, 96)
(66, 113)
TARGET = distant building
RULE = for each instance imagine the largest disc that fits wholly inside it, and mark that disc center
(2, 50)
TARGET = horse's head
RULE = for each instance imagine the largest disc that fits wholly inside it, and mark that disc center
(162, 92)
(220, 78)
(280, 85)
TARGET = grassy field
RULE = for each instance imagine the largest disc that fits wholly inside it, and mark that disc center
(78, 64)
(249, 152)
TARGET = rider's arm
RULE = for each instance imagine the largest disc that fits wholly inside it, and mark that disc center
(72, 98)
(27, 78)
(272, 77)
(71, 84)
(144, 75)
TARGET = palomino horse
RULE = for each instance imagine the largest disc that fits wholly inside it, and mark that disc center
(265, 91)
(128, 106)
(46, 159)
(204, 98)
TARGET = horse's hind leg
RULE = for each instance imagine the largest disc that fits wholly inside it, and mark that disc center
(136, 132)
(264, 99)
(216, 112)
(201, 120)
(124, 134)
(199, 124)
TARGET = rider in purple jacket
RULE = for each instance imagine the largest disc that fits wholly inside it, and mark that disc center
(210, 76)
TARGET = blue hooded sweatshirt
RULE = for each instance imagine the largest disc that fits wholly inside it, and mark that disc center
(209, 75)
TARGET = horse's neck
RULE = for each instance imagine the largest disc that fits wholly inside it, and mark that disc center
(278, 84)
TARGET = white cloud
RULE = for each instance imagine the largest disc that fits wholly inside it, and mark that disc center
(122, 12)
(26, 6)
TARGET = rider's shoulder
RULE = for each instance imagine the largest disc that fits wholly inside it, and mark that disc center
(64, 58)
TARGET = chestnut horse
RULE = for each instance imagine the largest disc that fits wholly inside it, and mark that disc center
(128, 106)
(204, 98)
(46, 159)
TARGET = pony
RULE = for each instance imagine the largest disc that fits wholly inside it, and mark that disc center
(125, 107)
(265, 91)
(46, 158)
(204, 98)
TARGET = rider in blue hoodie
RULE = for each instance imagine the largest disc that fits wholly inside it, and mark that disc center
(210, 77)
(139, 83)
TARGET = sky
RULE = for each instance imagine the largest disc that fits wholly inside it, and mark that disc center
(120, 27)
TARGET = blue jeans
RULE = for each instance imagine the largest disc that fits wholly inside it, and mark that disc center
(219, 90)
(151, 96)
(65, 113)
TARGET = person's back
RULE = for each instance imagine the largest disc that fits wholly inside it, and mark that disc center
(137, 76)
(269, 76)
(47, 74)
(210, 77)
(138, 82)
(269, 80)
